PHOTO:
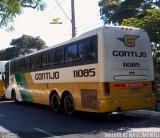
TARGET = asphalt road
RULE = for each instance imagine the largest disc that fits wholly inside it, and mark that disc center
(36, 121)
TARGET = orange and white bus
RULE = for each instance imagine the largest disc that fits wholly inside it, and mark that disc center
(104, 70)
(2, 78)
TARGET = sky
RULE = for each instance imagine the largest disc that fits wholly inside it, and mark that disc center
(38, 23)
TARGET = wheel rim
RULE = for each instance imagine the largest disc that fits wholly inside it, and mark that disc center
(55, 103)
(69, 105)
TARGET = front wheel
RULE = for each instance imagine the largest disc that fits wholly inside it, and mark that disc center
(13, 97)
(69, 107)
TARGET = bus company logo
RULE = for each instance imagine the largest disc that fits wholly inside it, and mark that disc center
(56, 21)
(129, 40)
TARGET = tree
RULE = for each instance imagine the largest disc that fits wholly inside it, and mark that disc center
(9, 53)
(114, 11)
(21, 46)
(107, 9)
(136, 13)
(27, 44)
(9, 9)
(151, 23)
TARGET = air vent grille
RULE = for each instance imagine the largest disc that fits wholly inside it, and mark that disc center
(89, 98)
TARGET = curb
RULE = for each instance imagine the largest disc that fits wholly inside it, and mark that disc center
(144, 112)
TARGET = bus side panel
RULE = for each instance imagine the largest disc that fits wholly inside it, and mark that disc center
(88, 97)
(39, 93)
(23, 87)
(2, 89)
(2, 76)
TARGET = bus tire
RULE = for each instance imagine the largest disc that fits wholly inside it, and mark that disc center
(69, 106)
(55, 102)
(13, 96)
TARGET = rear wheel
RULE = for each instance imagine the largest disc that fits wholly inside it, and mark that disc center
(55, 102)
(69, 107)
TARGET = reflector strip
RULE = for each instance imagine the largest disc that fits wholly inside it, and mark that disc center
(126, 85)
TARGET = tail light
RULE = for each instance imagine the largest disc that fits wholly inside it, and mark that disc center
(106, 89)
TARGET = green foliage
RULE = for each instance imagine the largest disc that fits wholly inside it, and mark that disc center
(136, 13)
(107, 9)
(9, 9)
(150, 22)
(8, 53)
(114, 11)
(21, 46)
(156, 57)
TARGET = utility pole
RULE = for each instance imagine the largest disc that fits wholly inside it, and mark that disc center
(73, 19)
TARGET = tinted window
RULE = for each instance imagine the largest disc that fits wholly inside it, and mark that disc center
(51, 58)
(36, 62)
(81, 51)
(88, 49)
(28, 63)
(44, 60)
(94, 48)
(23, 65)
(59, 56)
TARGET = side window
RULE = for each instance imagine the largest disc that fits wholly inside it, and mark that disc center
(51, 58)
(66, 55)
(23, 64)
(44, 60)
(48, 59)
(36, 62)
(72, 53)
(91, 48)
(59, 56)
(17, 65)
(81, 51)
(32, 63)
(28, 63)
(12, 67)
(94, 48)
(88, 49)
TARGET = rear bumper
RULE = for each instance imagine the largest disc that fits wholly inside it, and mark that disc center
(126, 104)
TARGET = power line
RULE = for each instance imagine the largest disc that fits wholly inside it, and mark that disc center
(63, 10)
(53, 9)
(48, 13)
(89, 24)
(72, 14)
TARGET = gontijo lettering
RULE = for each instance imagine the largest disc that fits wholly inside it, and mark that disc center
(117, 53)
(47, 76)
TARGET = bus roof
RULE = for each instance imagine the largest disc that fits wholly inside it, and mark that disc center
(84, 35)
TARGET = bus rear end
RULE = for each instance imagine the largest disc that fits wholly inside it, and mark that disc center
(128, 70)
